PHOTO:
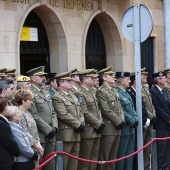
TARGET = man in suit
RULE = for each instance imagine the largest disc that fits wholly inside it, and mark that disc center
(127, 139)
(161, 102)
(43, 113)
(113, 117)
(8, 147)
(70, 117)
(90, 138)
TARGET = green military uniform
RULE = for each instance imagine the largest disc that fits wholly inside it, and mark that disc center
(2, 73)
(147, 101)
(45, 117)
(90, 139)
(167, 87)
(70, 117)
(127, 139)
(113, 116)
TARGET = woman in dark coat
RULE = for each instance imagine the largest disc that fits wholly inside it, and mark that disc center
(8, 147)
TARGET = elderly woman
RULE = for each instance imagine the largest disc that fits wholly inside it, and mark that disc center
(24, 99)
(28, 155)
(8, 146)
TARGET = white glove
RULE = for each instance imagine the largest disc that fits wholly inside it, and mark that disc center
(147, 123)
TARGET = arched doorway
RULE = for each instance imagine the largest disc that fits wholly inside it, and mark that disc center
(95, 47)
(102, 36)
(34, 53)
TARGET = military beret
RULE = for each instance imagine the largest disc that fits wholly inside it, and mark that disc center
(107, 70)
(159, 74)
(38, 71)
(88, 73)
(167, 70)
(122, 74)
(10, 72)
(63, 76)
(23, 79)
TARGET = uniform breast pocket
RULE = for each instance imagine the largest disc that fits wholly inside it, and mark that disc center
(91, 105)
(126, 105)
(40, 105)
(112, 101)
(68, 105)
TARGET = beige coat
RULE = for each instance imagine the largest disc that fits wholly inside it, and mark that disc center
(43, 113)
(92, 114)
(111, 109)
(69, 116)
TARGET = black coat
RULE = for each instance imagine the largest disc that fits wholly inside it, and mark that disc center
(132, 93)
(162, 108)
(8, 147)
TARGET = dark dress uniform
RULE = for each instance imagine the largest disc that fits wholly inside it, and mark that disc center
(127, 139)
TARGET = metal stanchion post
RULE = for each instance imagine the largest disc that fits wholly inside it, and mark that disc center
(59, 158)
(153, 151)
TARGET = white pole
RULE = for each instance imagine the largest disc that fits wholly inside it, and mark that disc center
(137, 35)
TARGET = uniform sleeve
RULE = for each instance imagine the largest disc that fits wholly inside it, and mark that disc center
(63, 114)
(89, 118)
(41, 124)
(106, 111)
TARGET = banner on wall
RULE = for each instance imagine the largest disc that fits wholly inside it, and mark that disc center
(29, 34)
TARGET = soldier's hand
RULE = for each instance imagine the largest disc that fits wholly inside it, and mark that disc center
(121, 126)
(81, 128)
(102, 126)
(153, 120)
(52, 132)
(136, 124)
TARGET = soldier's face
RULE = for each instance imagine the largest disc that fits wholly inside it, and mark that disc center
(66, 85)
(109, 78)
(126, 82)
(39, 80)
(162, 80)
(76, 78)
(143, 79)
(96, 82)
(89, 81)
(54, 84)
(26, 85)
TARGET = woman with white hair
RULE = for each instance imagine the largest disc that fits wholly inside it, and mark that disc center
(28, 155)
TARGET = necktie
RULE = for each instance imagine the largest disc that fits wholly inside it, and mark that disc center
(164, 94)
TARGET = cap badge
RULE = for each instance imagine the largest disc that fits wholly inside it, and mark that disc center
(160, 74)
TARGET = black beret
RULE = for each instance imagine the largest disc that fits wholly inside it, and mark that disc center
(159, 74)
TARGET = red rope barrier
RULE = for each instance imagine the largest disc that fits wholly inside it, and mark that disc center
(52, 155)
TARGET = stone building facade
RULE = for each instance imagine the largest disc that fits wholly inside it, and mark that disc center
(66, 23)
